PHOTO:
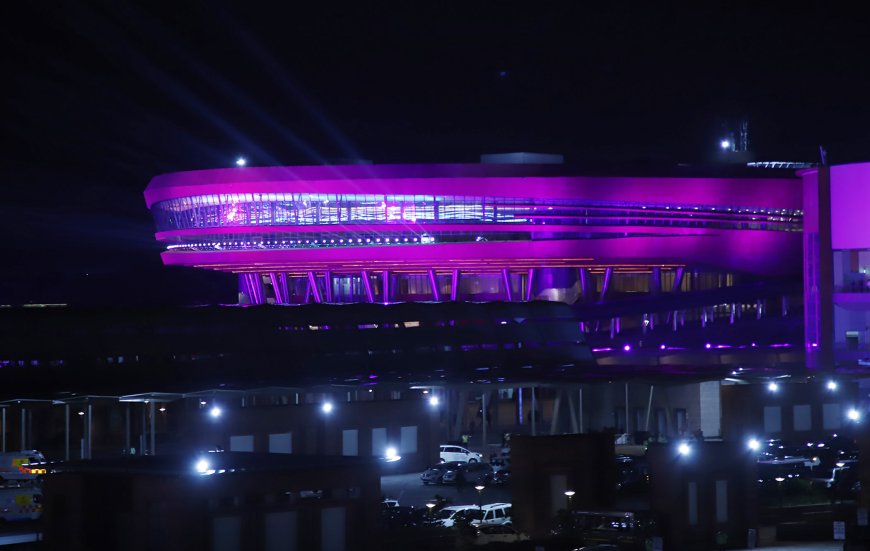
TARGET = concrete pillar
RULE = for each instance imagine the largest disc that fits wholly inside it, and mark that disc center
(23, 437)
(153, 431)
(65, 431)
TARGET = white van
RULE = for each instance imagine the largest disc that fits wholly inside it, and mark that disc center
(23, 466)
(20, 503)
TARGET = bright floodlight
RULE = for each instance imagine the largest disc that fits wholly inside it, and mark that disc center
(832, 385)
(773, 387)
(479, 487)
(779, 479)
(853, 414)
(753, 444)
(390, 453)
(202, 466)
(326, 407)
(433, 401)
(569, 493)
(241, 161)
(215, 412)
(725, 144)
(684, 449)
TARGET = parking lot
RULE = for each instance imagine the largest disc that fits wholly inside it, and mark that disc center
(409, 490)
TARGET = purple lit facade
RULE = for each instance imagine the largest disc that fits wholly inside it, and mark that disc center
(384, 233)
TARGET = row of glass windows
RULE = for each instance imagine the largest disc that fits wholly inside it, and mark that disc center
(311, 209)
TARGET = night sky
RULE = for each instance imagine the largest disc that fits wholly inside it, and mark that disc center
(98, 98)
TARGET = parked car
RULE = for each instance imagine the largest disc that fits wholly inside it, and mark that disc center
(502, 477)
(435, 473)
(497, 533)
(458, 453)
(447, 516)
(490, 514)
(468, 473)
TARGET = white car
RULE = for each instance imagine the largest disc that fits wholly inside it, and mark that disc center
(493, 514)
(458, 453)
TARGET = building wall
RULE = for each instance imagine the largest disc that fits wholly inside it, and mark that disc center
(544, 467)
(753, 410)
(711, 490)
(242, 511)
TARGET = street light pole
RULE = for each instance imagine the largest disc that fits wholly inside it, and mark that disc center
(479, 489)
(569, 494)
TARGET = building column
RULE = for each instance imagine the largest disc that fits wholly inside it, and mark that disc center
(153, 429)
(367, 286)
(608, 274)
(585, 284)
(327, 286)
(65, 431)
(23, 437)
(433, 282)
(506, 278)
(313, 290)
(454, 287)
(385, 286)
(89, 417)
(529, 294)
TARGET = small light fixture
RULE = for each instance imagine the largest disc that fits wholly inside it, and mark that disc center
(215, 412)
(241, 161)
(832, 385)
(684, 449)
(326, 407)
(753, 444)
(772, 387)
(433, 401)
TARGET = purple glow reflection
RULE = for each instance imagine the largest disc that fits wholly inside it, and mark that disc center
(627, 347)
(782, 345)
(708, 346)
(723, 346)
(662, 347)
(602, 349)
(373, 376)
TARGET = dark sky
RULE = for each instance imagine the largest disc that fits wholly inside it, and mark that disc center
(99, 97)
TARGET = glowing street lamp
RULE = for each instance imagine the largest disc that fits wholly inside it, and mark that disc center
(725, 144)
(241, 161)
(832, 385)
(326, 407)
(215, 412)
(433, 401)
(479, 489)
(753, 444)
(854, 415)
(773, 387)
(684, 449)
(569, 494)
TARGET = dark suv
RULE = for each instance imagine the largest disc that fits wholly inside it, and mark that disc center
(434, 474)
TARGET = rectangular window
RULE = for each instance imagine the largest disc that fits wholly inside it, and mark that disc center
(803, 420)
(831, 416)
(244, 443)
(681, 422)
(226, 534)
(379, 441)
(350, 442)
(332, 527)
(721, 501)
(281, 442)
(772, 419)
(693, 504)
(281, 531)
(408, 443)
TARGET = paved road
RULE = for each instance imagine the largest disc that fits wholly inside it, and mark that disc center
(409, 490)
